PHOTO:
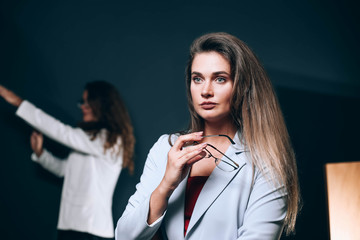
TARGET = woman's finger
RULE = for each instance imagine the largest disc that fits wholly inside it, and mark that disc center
(198, 157)
(192, 148)
(196, 150)
(180, 142)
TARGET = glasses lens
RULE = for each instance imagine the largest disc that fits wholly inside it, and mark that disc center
(220, 160)
(81, 102)
(224, 165)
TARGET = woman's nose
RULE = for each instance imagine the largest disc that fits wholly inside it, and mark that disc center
(207, 90)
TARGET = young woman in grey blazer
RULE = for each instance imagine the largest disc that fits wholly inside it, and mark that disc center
(101, 146)
(233, 174)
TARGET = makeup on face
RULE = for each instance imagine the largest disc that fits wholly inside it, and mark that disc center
(211, 85)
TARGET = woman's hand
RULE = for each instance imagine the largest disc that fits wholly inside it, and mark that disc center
(36, 141)
(10, 97)
(180, 159)
(179, 162)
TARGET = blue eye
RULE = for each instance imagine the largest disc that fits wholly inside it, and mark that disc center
(196, 79)
(220, 79)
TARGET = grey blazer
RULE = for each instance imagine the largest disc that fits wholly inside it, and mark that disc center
(241, 204)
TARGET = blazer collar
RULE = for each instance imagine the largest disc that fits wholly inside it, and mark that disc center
(239, 145)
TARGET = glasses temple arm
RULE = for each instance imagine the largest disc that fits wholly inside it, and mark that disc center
(221, 135)
(237, 165)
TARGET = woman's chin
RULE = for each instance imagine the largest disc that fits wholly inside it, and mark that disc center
(213, 118)
(87, 119)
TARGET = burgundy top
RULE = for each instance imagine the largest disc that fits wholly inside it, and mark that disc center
(193, 189)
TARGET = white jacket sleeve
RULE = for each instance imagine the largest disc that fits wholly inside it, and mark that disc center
(133, 222)
(50, 162)
(74, 138)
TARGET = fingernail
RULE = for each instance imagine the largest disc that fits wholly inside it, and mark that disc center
(201, 148)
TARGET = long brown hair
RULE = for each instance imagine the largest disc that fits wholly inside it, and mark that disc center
(255, 112)
(111, 114)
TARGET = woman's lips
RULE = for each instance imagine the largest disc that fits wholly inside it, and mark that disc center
(208, 105)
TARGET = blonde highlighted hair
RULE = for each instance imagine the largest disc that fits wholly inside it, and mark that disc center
(256, 113)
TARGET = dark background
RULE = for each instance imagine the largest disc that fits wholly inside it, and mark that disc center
(49, 50)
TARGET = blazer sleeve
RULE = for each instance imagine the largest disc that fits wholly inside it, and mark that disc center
(74, 138)
(266, 211)
(133, 222)
(50, 162)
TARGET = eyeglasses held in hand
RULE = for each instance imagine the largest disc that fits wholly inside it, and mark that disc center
(224, 163)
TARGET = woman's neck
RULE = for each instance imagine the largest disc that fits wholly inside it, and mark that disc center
(220, 127)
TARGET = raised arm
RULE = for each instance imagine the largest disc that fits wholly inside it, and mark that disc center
(10, 96)
(44, 158)
(179, 162)
(164, 169)
(74, 138)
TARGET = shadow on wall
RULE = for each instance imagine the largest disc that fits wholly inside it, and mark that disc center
(324, 129)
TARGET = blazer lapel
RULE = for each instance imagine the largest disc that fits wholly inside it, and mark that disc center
(216, 183)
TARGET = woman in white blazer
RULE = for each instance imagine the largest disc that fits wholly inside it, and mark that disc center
(233, 174)
(101, 146)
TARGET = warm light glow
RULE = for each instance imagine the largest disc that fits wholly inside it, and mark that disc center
(343, 189)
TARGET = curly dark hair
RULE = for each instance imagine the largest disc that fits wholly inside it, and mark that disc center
(112, 115)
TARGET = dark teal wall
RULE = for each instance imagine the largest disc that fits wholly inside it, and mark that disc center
(49, 50)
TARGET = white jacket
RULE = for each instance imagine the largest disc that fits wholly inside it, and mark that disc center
(229, 207)
(90, 174)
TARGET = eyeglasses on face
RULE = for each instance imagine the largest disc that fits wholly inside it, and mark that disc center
(81, 102)
(224, 163)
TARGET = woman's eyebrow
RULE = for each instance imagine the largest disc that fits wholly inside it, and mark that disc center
(221, 72)
(197, 73)
(214, 73)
